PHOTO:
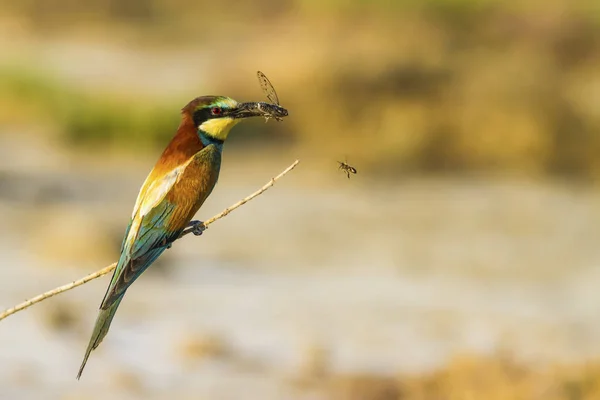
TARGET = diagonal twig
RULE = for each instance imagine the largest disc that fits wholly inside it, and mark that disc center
(110, 268)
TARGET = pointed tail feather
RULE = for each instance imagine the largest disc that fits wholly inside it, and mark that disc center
(100, 330)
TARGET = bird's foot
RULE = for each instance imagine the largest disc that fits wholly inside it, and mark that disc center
(196, 227)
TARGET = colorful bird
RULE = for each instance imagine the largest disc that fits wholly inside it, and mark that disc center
(175, 189)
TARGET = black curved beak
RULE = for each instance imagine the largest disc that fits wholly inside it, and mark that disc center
(254, 109)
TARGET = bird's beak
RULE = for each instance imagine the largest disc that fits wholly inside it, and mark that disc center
(252, 109)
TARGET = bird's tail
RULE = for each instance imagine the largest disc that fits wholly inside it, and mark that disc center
(100, 330)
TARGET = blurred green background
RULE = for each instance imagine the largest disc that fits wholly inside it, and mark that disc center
(458, 263)
(409, 86)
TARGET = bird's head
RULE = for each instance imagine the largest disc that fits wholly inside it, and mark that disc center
(214, 116)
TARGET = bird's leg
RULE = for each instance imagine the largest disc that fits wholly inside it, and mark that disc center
(195, 227)
(198, 228)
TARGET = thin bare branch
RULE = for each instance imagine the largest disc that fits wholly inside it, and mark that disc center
(41, 297)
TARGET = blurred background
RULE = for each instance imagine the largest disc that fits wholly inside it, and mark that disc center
(461, 262)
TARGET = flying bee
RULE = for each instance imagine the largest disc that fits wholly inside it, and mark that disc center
(274, 109)
(347, 168)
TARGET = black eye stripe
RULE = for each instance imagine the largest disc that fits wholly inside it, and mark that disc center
(204, 114)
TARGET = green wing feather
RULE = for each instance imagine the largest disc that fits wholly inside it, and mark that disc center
(148, 234)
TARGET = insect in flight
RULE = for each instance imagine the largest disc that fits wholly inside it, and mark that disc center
(274, 109)
(347, 168)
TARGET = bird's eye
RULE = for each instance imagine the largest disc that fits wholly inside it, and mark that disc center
(216, 111)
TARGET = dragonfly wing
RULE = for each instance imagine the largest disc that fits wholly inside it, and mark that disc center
(268, 88)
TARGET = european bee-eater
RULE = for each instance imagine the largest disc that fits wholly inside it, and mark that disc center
(182, 179)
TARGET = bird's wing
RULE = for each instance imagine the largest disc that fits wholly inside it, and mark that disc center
(148, 233)
(154, 190)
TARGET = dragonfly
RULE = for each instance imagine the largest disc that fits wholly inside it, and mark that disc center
(273, 108)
